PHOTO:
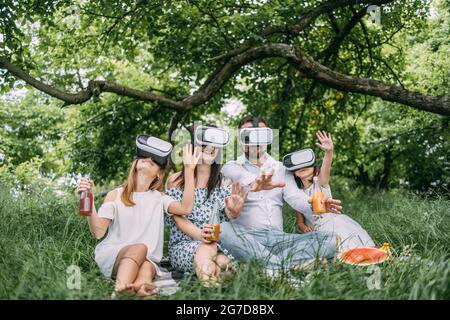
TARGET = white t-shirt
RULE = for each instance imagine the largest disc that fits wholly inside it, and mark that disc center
(263, 209)
(141, 223)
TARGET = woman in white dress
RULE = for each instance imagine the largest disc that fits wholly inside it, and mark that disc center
(350, 232)
(134, 217)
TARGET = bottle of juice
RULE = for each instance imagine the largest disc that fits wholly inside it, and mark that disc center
(318, 198)
(86, 202)
(214, 221)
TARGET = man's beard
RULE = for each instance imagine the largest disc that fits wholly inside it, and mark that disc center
(254, 155)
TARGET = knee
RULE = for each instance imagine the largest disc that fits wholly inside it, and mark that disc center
(205, 252)
(138, 250)
(207, 249)
(141, 248)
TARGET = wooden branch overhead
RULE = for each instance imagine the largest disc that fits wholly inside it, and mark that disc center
(248, 53)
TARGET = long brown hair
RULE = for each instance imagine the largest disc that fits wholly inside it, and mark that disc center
(129, 185)
(215, 177)
(214, 181)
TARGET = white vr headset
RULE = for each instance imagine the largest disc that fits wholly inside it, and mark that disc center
(211, 136)
(152, 147)
(255, 136)
(299, 159)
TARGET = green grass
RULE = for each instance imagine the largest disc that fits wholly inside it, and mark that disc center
(41, 236)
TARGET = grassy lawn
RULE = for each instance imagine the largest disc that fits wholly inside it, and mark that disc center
(41, 236)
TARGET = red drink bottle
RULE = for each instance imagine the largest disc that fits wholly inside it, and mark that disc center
(86, 202)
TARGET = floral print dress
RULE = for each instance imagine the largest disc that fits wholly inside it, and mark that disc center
(182, 248)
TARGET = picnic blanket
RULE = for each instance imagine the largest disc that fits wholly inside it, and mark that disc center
(168, 282)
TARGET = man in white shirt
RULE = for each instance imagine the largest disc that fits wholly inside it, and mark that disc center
(257, 233)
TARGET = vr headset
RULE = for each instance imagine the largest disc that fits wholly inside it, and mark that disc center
(211, 136)
(255, 136)
(155, 148)
(299, 159)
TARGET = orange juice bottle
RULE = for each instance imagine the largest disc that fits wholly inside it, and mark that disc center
(214, 221)
(318, 198)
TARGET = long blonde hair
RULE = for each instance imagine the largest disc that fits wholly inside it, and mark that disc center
(129, 185)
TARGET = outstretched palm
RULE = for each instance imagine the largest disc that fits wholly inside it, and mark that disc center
(326, 143)
(191, 156)
(265, 183)
(235, 201)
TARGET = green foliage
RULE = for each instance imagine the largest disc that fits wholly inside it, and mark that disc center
(390, 147)
(165, 47)
(32, 128)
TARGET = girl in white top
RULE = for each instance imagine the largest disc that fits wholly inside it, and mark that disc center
(134, 217)
(350, 233)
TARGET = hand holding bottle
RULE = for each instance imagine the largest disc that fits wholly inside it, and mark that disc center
(86, 190)
(213, 224)
(318, 198)
(205, 233)
(332, 205)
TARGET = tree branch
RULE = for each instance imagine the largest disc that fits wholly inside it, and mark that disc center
(324, 75)
(95, 87)
(301, 61)
(216, 24)
(391, 71)
(369, 47)
(299, 25)
(333, 47)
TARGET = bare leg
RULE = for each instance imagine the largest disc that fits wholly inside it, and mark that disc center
(143, 283)
(127, 265)
(205, 267)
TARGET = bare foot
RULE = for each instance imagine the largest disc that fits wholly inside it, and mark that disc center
(210, 281)
(123, 288)
(147, 290)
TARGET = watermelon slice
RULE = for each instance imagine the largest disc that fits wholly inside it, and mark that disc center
(364, 256)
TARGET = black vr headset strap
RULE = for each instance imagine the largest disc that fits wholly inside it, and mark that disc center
(136, 154)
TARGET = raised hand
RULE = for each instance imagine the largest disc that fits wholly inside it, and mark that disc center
(265, 183)
(235, 201)
(191, 159)
(326, 143)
